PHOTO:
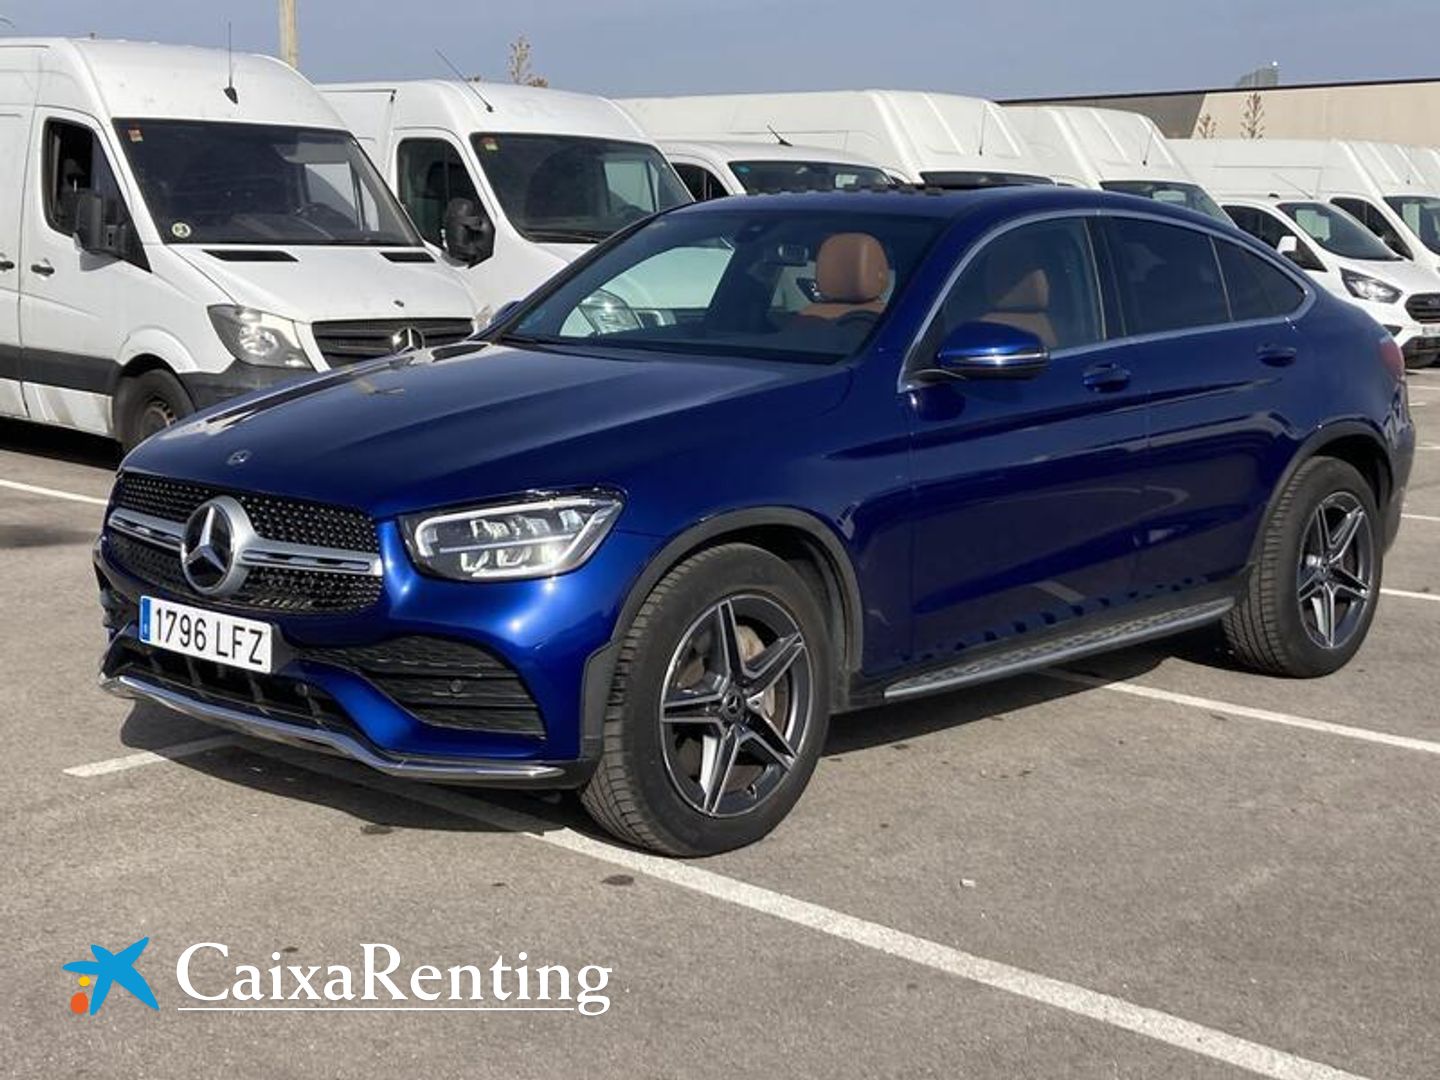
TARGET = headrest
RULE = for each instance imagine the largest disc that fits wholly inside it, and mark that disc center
(1029, 292)
(851, 268)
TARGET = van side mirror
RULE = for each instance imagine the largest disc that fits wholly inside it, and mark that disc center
(1288, 246)
(469, 235)
(983, 350)
(91, 231)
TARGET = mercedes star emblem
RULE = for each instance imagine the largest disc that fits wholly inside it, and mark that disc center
(407, 339)
(215, 537)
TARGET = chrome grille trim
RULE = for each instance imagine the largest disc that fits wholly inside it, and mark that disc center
(277, 554)
(153, 530)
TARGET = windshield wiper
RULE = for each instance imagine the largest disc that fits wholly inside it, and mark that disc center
(568, 236)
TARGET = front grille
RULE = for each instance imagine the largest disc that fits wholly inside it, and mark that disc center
(351, 341)
(292, 521)
(266, 589)
(443, 683)
(1424, 307)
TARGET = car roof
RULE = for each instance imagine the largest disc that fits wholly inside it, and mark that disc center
(994, 203)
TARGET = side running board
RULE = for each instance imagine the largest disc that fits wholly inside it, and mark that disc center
(1058, 650)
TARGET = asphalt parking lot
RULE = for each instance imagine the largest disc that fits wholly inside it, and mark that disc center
(1150, 866)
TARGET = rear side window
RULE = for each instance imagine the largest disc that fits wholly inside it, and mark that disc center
(431, 173)
(1257, 290)
(1038, 277)
(1168, 275)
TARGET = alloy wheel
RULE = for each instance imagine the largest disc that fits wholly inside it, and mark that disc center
(736, 703)
(1335, 578)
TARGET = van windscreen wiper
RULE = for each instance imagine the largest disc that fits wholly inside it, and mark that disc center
(568, 236)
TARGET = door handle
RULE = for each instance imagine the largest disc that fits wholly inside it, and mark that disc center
(6, 264)
(1106, 377)
(1277, 355)
(43, 268)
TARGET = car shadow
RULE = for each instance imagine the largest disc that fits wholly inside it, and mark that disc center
(381, 804)
(59, 444)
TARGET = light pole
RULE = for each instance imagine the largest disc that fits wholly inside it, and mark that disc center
(289, 34)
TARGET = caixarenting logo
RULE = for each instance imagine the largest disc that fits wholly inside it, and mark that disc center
(380, 981)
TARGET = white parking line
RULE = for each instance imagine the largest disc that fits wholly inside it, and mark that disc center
(1420, 517)
(1403, 742)
(149, 757)
(1070, 997)
(32, 489)
(1406, 594)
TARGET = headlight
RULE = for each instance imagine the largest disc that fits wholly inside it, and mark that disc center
(1368, 288)
(257, 338)
(607, 313)
(536, 538)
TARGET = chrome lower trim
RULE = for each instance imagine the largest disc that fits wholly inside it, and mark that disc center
(334, 742)
(1075, 646)
(153, 530)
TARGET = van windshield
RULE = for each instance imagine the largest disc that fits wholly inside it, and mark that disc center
(1337, 232)
(568, 189)
(779, 175)
(1422, 214)
(1190, 196)
(226, 183)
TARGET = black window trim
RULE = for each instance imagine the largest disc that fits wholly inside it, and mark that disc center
(47, 169)
(914, 361)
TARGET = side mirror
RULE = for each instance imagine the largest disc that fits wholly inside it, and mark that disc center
(92, 233)
(982, 350)
(469, 235)
(1289, 246)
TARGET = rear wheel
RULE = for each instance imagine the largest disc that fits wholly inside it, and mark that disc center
(1312, 594)
(147, 403)
(719, 706)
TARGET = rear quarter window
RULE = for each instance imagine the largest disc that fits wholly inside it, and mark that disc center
(1257, 290)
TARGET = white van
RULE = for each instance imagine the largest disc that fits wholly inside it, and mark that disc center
(1351, 262)
(507, 183)
(711, 169)
(1110, 150)
(943, 140)
(178, 225)
(1393, 190)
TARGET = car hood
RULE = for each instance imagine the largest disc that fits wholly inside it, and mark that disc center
(335, 283)
(423, 431)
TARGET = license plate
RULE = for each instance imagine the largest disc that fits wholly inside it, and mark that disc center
(207, 635)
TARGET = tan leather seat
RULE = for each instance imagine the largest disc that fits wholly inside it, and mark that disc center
(851, 274)
(1021, 301)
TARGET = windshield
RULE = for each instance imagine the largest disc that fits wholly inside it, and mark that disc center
(772, 176)
(1337, 232)
(1422, 215)
(1190, 196)
(967, 181)
(224, 183)
(571, 190)
(802, 286)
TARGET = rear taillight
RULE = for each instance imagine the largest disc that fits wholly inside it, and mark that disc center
(1392, 357)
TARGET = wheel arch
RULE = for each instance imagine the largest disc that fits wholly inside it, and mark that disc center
(1351, 441)
(801, 539)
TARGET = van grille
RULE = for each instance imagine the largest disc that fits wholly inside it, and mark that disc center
(1424, 307)
(349, 342)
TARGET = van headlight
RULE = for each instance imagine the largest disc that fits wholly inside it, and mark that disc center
(255, 337)
(1369, 288)
(537, 537)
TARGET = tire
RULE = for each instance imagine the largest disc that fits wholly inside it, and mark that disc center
(642, 790)
(147, 403)
(1270, 629)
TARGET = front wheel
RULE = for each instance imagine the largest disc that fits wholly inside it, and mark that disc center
(1311, 595)
(147, 403)
(719, 706)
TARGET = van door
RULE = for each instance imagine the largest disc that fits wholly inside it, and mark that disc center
(14, 137)
(73, 306)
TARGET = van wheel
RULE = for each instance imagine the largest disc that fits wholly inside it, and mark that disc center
(1312, 593)
(145, 404)
(719, 706)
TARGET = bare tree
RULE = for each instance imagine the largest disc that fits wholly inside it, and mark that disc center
(1205, 127)
(519, 67)
(1252, 117)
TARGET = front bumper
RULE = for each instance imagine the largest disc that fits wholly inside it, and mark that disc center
(552, 637)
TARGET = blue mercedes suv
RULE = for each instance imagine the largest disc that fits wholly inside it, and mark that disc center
(756, 462)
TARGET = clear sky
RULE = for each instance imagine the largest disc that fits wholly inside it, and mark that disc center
(992, 48)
